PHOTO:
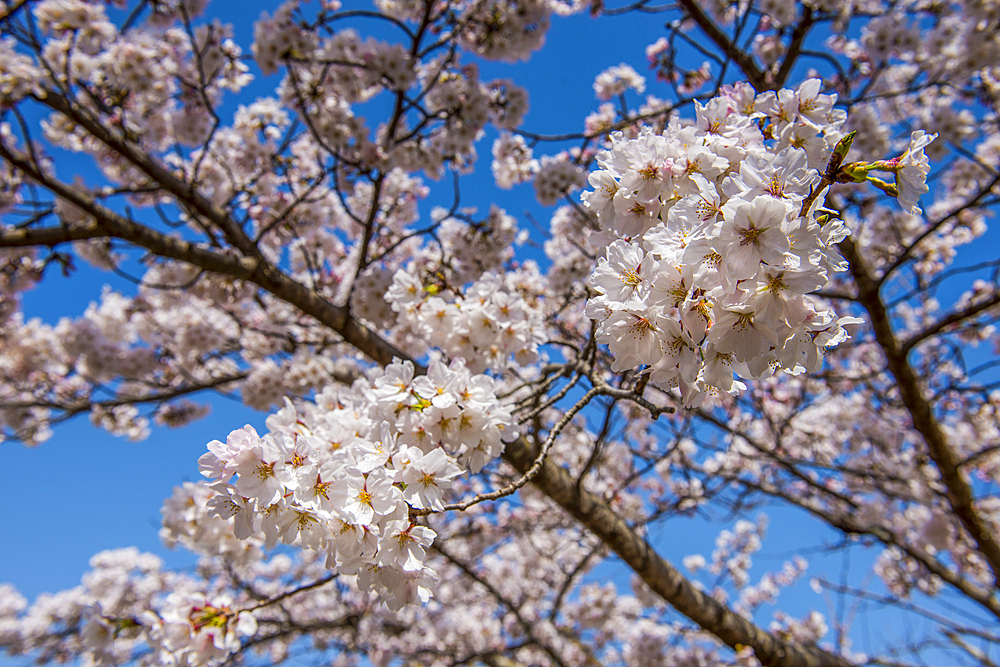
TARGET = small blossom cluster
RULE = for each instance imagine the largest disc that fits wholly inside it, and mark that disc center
(19, 76)
(508, 103)
(340, 476)
(470, 250)
(20, 270)
(614, 81)
(557, 176)
(277, 37)
(487, 324)
(191, 629)
(714, 238)
(513, 161)
(520, 32)
(190, 522)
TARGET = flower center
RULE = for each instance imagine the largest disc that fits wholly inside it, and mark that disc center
(630, 277)
(776, 188)
(750, 235)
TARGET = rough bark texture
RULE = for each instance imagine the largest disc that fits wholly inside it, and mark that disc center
(594, 513)
(958, 490)
(253, 269)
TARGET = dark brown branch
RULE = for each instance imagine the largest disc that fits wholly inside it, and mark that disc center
(602, 520)
(31, 237)
(742, 59)
(949, 320)
(794, 47)
(254, 269)
(957, 489)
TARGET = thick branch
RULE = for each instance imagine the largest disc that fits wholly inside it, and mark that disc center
(255, 270)
(957, 489)
(948, 321)
(598, 517)
(743, 59)
(794, 47)
(184, 192)
(33, 237)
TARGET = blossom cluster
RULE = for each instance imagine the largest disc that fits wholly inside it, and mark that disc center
(513, 161)
(556, 176)
(340, 476)
(715, 235)
(487, 324)
(191, 629)
(614, 81)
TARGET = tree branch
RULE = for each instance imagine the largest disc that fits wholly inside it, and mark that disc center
(599, 517)
(948, 321)
(253, 269)
(957, 489)
(794, 47)
(743, 59)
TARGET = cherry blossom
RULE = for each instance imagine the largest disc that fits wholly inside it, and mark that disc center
(483, 411)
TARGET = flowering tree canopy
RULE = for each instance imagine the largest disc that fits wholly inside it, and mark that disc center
(750, 291)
